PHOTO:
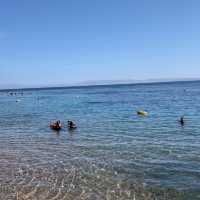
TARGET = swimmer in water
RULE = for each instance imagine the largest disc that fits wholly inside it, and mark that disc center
(56, 125)
(71, 125)
(182, 121)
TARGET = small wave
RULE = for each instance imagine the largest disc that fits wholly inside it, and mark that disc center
(96, 102)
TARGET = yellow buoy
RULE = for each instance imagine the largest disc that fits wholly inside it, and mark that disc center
(142, 113)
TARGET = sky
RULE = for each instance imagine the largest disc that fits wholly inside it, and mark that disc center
(48, 42)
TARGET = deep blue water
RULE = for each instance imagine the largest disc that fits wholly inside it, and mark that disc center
(111, 143)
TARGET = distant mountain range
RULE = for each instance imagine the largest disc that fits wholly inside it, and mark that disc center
(129, 81)
(99, 82)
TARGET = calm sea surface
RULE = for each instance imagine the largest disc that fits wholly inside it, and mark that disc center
(114, 154)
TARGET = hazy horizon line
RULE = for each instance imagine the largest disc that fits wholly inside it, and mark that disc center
(98, 83)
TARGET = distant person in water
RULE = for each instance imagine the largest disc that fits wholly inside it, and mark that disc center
(71, 125)
(182, 121)
(56, 125)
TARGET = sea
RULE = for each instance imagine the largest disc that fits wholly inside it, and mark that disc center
(113, 154)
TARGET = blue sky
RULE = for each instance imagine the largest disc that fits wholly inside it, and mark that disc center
(69, 41)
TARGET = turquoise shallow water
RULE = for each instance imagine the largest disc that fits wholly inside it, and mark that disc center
(114, 154)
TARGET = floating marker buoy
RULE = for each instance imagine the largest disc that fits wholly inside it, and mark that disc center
(142, 113)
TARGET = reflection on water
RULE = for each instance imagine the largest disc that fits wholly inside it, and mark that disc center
(113, 154)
